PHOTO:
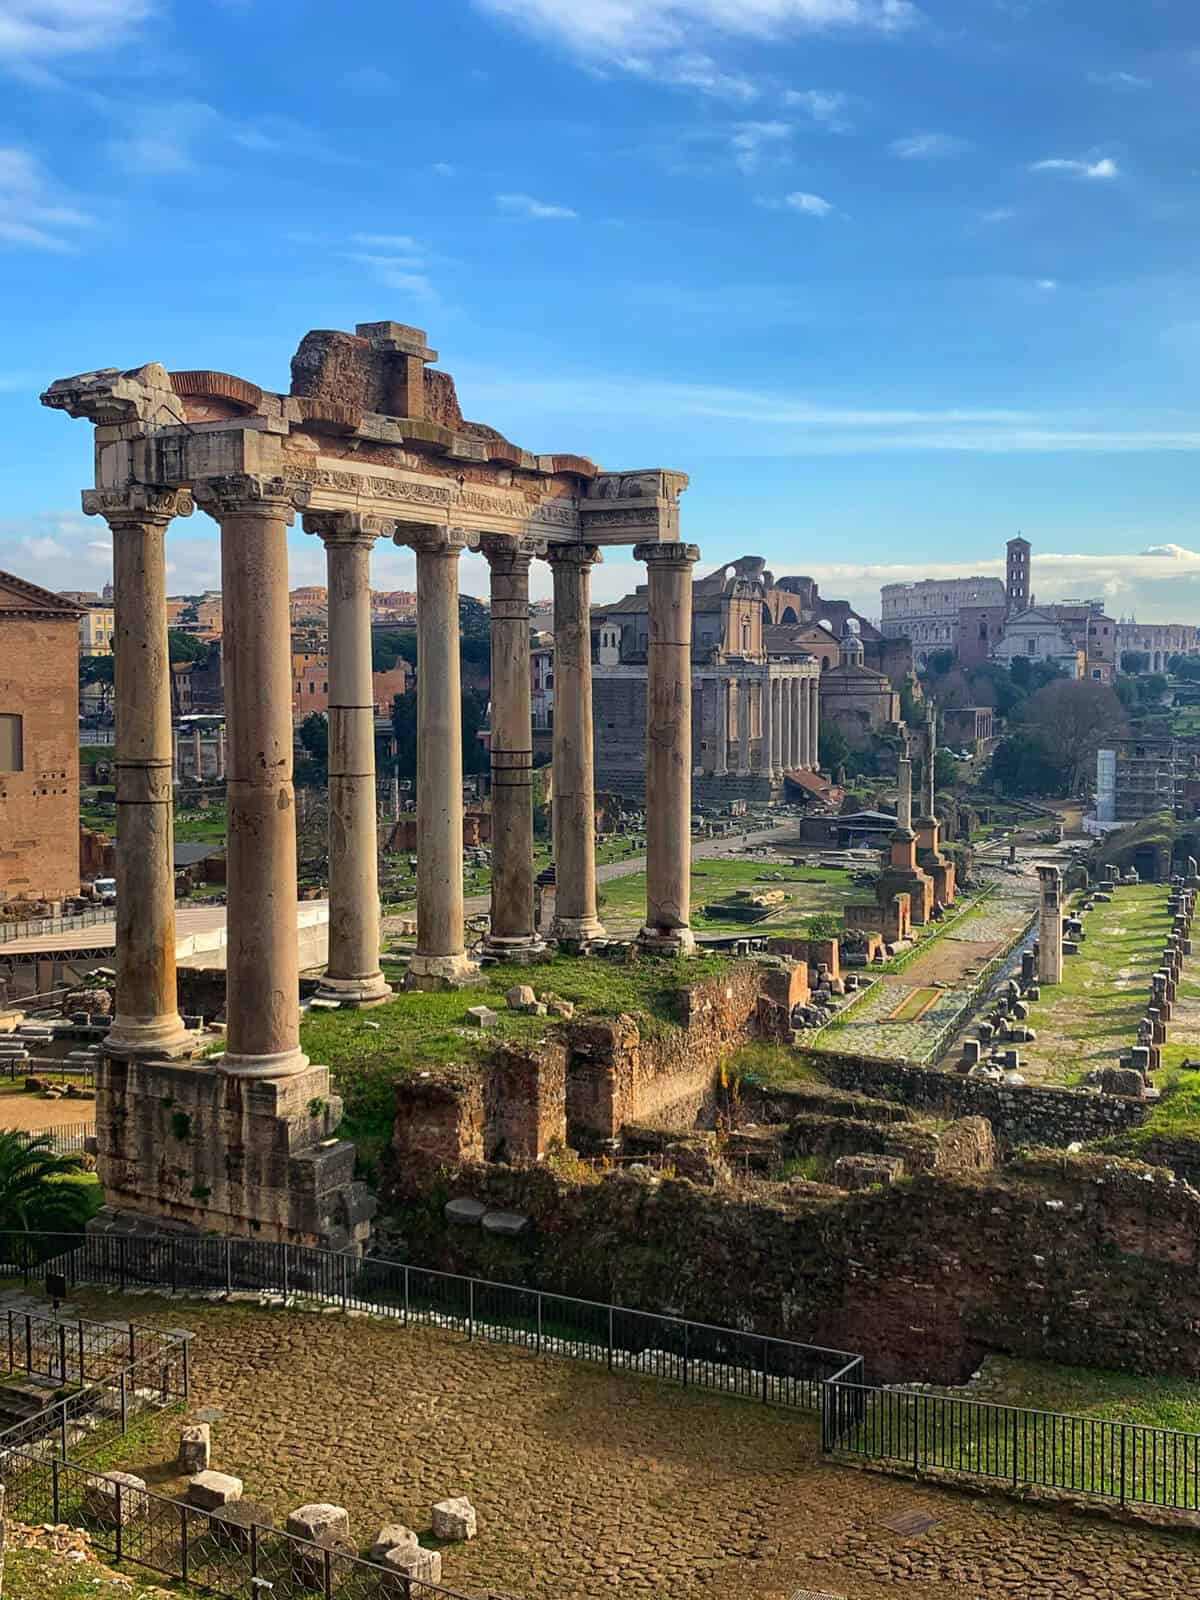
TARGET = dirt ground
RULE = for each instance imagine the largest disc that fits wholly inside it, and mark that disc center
(588, 1484)
(28, 1111)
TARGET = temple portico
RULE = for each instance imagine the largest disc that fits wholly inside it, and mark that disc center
(369, 443)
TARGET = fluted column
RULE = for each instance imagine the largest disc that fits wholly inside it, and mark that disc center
(668, 746)
(768, 726)
(513, 934)
(743, 725)
(722, 766)
(574, 805)
(197, 755)
(262, 960)
(146, 1013)
(440, 957)
(814, 723)
(352, 974)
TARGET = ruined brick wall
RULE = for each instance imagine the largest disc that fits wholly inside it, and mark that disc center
(525, 1102)
(1086, 1260)
(1026, 1115)
(39, 804)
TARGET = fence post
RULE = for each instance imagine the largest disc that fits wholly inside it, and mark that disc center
(1123, 1430)
(122, 1253)
(183, 1543)
(916, 1435)
(172, 1254)
(328, 1574)
(228, 1267)
(187, 1379)
(1015, 1439)
(82, 1355)
(539, 1322)
(286, 1272)
(610, 1338)
(124, 1404)
(62, 1429)
(120, 1523)
(132, 1344)
(253, 1550)
(12, 1356)
(765, 1348)
(470, 1308)
(54, 1479)
(406, 1297)
(28, 1345)
(687, 1329)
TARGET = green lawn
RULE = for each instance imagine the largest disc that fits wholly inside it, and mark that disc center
(41, 1575)
(368, 1050)
(1092, 1015)
(810, 891)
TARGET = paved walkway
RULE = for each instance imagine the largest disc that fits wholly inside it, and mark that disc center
(588, 1485)
(197, 929)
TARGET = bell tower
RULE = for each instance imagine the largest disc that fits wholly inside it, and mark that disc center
(1016, 587)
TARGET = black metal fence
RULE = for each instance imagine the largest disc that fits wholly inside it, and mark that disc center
(1130, 1462)
(694, 1354)
(65, 1139)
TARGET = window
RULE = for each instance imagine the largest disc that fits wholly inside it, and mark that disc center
(1031, 646)
(1096, 672)
(12, 743)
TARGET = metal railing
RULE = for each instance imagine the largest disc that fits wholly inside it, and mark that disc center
(10, 931)
(65, 1139)
(1130, 1462)
(694, 1354)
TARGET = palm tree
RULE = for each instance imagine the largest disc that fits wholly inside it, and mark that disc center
(33, 1197)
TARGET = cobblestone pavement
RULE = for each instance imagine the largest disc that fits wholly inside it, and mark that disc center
(589, 1485)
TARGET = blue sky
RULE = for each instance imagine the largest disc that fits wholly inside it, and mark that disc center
(889, 279)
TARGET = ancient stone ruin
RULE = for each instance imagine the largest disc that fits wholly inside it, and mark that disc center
(370, 443)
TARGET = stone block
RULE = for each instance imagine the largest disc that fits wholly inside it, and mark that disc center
(306, 1522)
(329, 1555)
(392, 1536)
(864, 1171)
(465, 1210)
(116, 1497)
(557, 1007)
(482, 1016)
(454, 1519)
(1123, 1081)
(508, 1223)
(230, 1524)
(520, 997)
(208, 1490)
(195, 1448)
(413, 1565)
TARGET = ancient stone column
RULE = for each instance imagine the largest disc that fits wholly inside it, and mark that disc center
(513, 935)
(799, 724)
(146, 1018)
(904, 794)
(262, 963)
(1050, 931)
(440, 957)
(743, 726)
(722, 766)
(768, 726)
(785, 726)
(197, 756)
(668, 737)
(352, 973)
(221, 752)
(814, 723)
(929, 785)
(574, 805)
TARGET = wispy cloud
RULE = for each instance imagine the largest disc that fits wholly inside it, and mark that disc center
(751, 139)
(927, 146)
(1047, 285)
(1106, 167)
(443, 169)
(401, 242)
(995, 215)
(525, 205)
(673, 41)
(808, 205)
(32, 214)
(155, 139)
(825, 106)
(1123, 81)
(32, 29)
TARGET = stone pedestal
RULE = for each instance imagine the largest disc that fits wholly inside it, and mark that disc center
(440, 959)
(146, 1017)
(352, 974)
(668, 746)
(185, 1144)
(574, 804)
(1050, 929)
(901, 875)
(513, 936)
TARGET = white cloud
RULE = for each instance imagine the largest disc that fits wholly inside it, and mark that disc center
(1047, 285)
(31, 214)
(525, 205)
(39, 28)
(394, 272)
(401, 243)
(443, 169)
(693, 70)
(823, 105)
(996, 215)
(1123, 81)
(160, 139)
(750, 139)
(809, 205)
(927, 146)
(45, 549)
(1104, 168)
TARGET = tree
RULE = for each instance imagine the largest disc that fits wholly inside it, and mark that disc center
(33, 1193)
(476, 756)
(404, 726)
(1186, 667)
(833, 747)
(185, 646)
(98, 670)
(314, 737)
(1074, 720)
(1024, 764)
(388, 648)
(945, 770)
(1134, 661)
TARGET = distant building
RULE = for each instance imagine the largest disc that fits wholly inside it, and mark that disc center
(980, 629)
(1092, 632)
(39, 742)
(854, 697)
(96, 628)
(1157, 641)
(1036, 635)
(310, 684)
(1135, 778)
(970, 728)
(927, 612)
(1017, 596)
(541, 671)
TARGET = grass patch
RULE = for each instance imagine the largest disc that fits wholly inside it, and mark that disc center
(416, 1031)
(914, 1005)
(43, 1575)
(810, 891)
(772, 1064)
(1093, 1392)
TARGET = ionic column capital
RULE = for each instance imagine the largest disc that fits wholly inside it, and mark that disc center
(348, 527)
(251, 491)
(667, 555)
(430, 538)
(574, 555)
(137, 503)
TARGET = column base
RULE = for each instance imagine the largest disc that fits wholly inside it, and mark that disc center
(522, 948)
(669, 941)
(577, 933)
(164, 1038)
(440, 972)
(283, 1064)
(355, 992)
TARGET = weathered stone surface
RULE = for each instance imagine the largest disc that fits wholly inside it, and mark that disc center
(482, 1016)
(454, 1519)
(864, 1172)
(505, 1222)
(465, 1210)
(306, 1522)
(520, 997)
(1127, 1081)
(392, 1536)
(414, 1563)
(211, 1489)
(230, 1524)
(195, 1447)
(116, 1496)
